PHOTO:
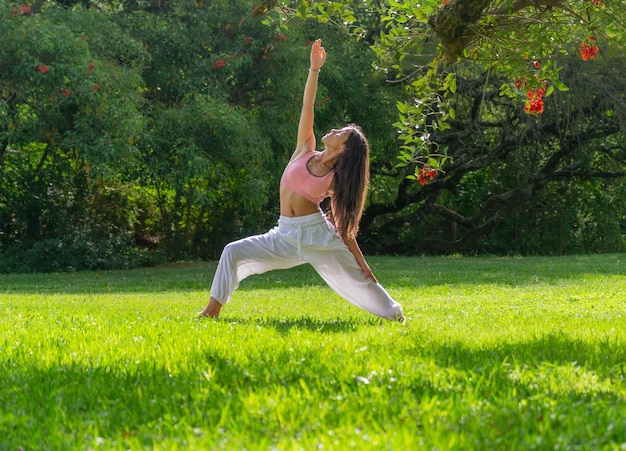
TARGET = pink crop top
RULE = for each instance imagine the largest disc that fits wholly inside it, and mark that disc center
(298, 178)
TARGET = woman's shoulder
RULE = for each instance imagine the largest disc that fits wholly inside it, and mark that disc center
(298, 153)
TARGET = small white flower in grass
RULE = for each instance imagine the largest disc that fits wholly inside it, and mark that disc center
(360, 380)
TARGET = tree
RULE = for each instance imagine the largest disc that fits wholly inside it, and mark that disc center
(154, 124)
(70, 114)
(225, 94)
(166, 124)
(479, 77)
(505, 163)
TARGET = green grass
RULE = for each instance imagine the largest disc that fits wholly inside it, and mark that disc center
(497, 353)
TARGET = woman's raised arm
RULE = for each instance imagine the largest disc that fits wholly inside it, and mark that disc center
(306, 138)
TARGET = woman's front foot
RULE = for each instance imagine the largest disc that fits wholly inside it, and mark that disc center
(212, 310)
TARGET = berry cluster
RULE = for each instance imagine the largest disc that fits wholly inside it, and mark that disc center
(534, 104)
(23, 9)
(589, 51)
(426, 174)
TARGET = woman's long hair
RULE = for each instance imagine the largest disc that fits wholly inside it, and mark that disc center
(352, 174)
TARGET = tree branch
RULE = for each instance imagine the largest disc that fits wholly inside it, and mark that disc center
(455, 22)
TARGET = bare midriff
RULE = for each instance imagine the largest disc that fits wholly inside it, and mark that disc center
(294, 205)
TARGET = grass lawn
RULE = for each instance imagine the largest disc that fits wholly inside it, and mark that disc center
(497, 353)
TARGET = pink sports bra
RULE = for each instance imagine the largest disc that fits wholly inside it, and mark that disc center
(298, 178)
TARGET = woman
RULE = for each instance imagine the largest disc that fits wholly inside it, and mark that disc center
(304, 235)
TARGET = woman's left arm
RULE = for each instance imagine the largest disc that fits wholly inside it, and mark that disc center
(360, 259)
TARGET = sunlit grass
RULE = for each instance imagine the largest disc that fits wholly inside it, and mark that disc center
(498, 353)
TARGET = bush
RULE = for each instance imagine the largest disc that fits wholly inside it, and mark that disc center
(56, 255)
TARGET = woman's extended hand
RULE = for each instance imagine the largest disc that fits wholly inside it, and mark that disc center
(358, 255)
(318, 54)
(368, 273)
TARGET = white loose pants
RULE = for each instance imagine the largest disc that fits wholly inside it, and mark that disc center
(307, 239)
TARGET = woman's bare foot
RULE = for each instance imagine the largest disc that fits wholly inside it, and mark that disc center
(212, 310)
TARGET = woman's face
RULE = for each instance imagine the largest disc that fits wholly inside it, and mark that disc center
(336, 138)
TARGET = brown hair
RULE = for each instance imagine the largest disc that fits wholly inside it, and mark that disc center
(352, 173)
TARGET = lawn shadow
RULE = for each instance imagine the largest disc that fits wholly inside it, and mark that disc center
(62, 399)
(64, 403)
(286, 326)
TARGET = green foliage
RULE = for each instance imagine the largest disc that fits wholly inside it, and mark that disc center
(206, 163)
(511, 176)
(192, 105)
(70, 117)
(60, 90)
(53, 218)
(136, 130)
(549, 226)
(498, 353)
(212, 155)
(522, 44)
(426, 44)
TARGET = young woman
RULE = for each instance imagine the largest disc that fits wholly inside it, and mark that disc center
(304, 234)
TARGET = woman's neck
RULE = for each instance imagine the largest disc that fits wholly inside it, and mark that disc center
(328, 158)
